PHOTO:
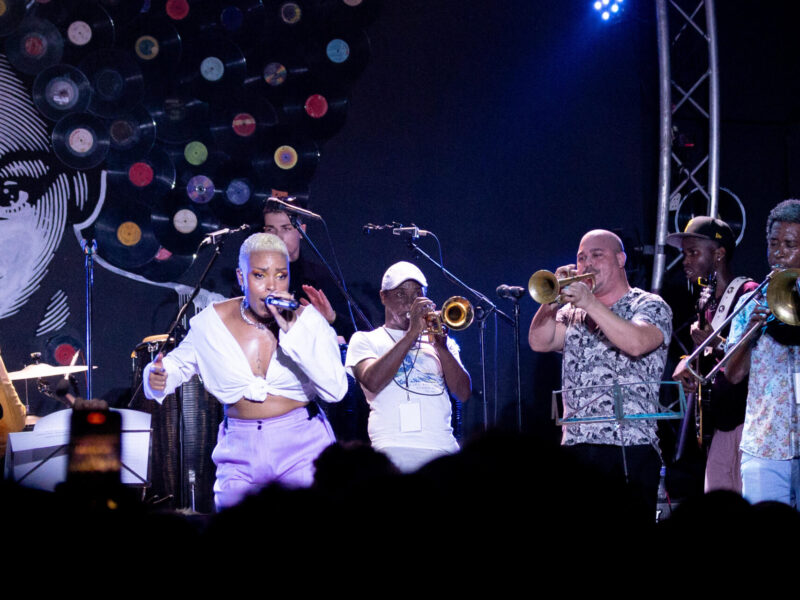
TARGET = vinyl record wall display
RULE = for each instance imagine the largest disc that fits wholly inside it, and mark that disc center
(198, 110)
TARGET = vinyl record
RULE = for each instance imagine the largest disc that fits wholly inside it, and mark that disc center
(179, 118)
(124, 234)
(288, 18)
(132, 134)
(339, 55)
(242, 21)
(238, 203)
(80, 140)
(86, 27)
(60, 90)
(275, 73)
(317, 112)
(165, 266)
(180, 224)
(116, 81)
(156, 47)
(244, 124)
(214, 69)
(12, 12)
(146, 180)
(200, 189)
(122, 12)
(35, 45)
(286, 162)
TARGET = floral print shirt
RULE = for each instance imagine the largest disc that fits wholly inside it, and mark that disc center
(590, 359)
(771, 416)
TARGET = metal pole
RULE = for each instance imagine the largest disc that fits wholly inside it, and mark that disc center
(713, 103)
(665, 136)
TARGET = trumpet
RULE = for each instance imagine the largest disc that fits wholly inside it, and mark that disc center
(456, 314)
(783, 299)
(544, 287)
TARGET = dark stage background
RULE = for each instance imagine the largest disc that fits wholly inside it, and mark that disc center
(508, 129)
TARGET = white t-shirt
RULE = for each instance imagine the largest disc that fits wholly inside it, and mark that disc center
(413, 410)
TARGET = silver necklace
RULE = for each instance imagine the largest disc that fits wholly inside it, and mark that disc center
(247, 319)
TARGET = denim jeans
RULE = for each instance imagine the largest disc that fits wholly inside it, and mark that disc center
(766, 479)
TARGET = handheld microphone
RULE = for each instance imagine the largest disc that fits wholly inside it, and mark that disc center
(284, 303)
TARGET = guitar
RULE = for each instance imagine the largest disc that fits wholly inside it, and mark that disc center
(703, 414)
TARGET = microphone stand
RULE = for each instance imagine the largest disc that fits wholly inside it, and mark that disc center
(351, 303)
(89, 249)
(487, 307)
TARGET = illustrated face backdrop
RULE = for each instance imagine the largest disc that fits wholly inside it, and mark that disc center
(39, 195)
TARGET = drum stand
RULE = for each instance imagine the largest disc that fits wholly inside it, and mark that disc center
(89, 249)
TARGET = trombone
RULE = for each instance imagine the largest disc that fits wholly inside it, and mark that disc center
(456, 313)
(544, 287)
(783, 299)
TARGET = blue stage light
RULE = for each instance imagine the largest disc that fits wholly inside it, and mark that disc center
(607, 8)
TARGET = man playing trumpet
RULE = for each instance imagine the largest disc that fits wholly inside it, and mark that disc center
(611, 333)
(406, 378)
(770, 445)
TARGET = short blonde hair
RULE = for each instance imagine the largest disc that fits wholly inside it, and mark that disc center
(261, 242)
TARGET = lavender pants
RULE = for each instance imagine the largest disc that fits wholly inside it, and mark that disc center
(252, 453)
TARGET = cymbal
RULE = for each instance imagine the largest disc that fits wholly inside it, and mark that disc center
(37, 371)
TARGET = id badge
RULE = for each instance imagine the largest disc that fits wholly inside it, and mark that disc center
(410, 417)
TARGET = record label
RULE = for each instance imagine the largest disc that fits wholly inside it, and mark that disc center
(200, 189)
(3, 8)
(316, 106)
(163, 254)
(244, 124)
(61, 93)
(212, 68)
(285, 157)
(238, 192)
(34, 45)
(177, 9)
(80, 141)
(79, 33)
(140, 174)
(275, 74)
(290, 13)
(108, 84)
(195, 153)
(184, 221)
(122, 133)
(146, 47)
(337, 50)
(352, 2)
(129, 233)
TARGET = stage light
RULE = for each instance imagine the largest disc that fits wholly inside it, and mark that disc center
(608, 8)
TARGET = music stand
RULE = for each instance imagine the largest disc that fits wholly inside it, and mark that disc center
(618, 415)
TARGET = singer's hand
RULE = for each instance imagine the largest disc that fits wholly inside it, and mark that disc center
(158, 375)
(284, 318)
(318, 300)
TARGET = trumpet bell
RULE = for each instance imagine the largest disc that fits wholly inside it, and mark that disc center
(783, 296)
(457, 313)
(544, 287)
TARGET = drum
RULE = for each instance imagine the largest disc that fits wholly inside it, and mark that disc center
(182, 473)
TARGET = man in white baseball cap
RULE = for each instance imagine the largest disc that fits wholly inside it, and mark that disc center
(407, 379)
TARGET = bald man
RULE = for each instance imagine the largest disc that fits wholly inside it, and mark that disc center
(609, 333)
